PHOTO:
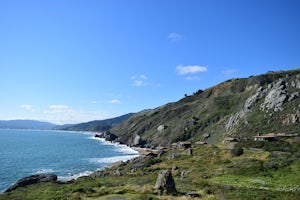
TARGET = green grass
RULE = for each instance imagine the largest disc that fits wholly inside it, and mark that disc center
(211, 171)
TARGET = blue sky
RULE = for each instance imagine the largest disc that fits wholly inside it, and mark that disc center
(70, 61)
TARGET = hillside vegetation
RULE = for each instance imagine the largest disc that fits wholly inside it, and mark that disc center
(211, 172)
(247, 169)
(238, 108)
(97, 125)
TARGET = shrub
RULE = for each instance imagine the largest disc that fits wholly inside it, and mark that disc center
(236, 151)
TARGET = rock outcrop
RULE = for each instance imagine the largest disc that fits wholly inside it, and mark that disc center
(275, 97)
(107, 135)
(38, 178)
(237, 107)
(166, 182)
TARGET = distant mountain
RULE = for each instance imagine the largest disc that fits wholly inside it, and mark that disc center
(239, 108)
(25, 124)
(97, 125)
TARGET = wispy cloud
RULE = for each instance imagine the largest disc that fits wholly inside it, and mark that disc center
(184, 70)
(139, 81)
(229, 71)
(174, 37)
(192, 78)
(62, 114)
(114, 101)
(58, 109)
(27, 107)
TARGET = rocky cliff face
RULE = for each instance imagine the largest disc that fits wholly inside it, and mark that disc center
(238, 108)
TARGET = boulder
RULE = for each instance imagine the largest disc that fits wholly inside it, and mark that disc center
(192, 194)
(38, 178)
(173, 156)
(107, 135)
(118, 172)
(161, 127)
(166, 182)
(189, 151)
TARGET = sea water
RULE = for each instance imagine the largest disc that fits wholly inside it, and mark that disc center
(66, 154)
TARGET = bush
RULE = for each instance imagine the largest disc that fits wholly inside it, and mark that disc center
(236, 151)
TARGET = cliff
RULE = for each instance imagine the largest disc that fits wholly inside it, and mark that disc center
(239, 108)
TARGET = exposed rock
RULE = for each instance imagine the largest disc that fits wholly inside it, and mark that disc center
(99, 174)
(166, 182)
(189, 151)
(118, 172)
(192, 194)
(162, 127)
(293, 96)
(296, 83)
(174, 167)
(137, 140)
(133, 170)
(234, 120)
(254, 98)
(291, 119)
(173, 156)
(118, 164)
(205, 136)
(38, 178)
(140, 162)
(276, 97)
(107, 135)
(184, 173)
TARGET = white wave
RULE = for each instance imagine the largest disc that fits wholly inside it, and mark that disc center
(120, 147)
(96, 138)
(44, 171)
(73, 176)
(114, 159)
(126, 150)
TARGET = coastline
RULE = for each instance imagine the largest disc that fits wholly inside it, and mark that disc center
(129, 153)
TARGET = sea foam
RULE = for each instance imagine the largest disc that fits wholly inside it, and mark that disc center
(114, 159)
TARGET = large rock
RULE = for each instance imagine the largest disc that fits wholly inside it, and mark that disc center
(276, 97)
(161, 127)
(166, 182)
(107, 135)
(38, 178)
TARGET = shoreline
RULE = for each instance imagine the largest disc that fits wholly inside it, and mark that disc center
(123, 149)
(132, 153)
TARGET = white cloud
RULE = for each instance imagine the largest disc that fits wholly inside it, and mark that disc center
(140, 80)
(143, 77)
(58, 109)
(114, 101)
(27, 107)
(174, 37)
(63, 114)
(183, 70)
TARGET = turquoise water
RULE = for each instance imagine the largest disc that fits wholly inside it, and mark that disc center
(66, 154)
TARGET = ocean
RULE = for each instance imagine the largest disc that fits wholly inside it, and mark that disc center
(69, 155)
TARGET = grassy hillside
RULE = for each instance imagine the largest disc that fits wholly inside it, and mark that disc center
(98, 125)
(249, 169)
(237, 108)
(212, 171)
